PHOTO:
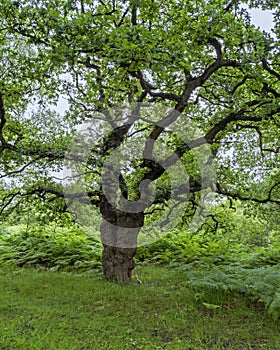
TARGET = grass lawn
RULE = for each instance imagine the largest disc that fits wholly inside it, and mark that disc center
(60, 311)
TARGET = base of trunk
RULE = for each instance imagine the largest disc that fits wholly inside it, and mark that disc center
(118, 263)
(119, 232)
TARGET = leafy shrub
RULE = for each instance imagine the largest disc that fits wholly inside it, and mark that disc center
(56, 249)
(182, 248)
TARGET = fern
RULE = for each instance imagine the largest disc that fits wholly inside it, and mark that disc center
(60, 250)
(260, 284)
(274, 307)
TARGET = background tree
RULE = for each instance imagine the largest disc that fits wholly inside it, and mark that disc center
(205, 61)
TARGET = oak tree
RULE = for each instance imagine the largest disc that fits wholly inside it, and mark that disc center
(146, 72)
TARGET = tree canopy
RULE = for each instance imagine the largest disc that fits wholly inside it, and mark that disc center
(197, 66)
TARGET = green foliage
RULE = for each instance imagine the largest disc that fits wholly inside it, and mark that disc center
(274, 307)
(68, 249)
(204, 58)
(253, 225)
(218, 270)
(217, 285)
(215, 271)
(182, 247)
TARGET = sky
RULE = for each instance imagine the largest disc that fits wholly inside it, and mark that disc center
(262, 19)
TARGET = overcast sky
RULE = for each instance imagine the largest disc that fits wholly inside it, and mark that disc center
(262, 19)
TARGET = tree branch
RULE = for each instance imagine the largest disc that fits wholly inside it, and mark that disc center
(2, 123)
(270, 70)
(134, 15)
(193, 84)
(146, 86)
(268, 199)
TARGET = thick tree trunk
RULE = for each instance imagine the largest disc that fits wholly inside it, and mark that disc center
(119, 232)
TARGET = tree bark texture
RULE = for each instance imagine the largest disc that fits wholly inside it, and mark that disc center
(119, 232)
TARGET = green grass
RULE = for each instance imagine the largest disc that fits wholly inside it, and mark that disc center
(54, 310)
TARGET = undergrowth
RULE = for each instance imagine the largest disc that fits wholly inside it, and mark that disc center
(181, 247)
(215, 286)
(49, 247)
(213, 268)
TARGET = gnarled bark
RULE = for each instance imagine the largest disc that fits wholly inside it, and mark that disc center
(119, 232)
